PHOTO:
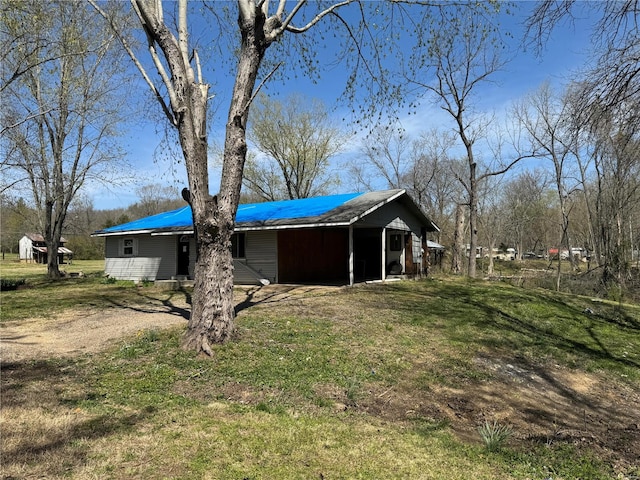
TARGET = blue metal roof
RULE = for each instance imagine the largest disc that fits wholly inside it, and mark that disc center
(252, 212)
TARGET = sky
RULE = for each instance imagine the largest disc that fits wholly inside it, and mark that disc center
(566, 51)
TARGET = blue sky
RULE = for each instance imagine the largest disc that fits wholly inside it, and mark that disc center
(565, 53)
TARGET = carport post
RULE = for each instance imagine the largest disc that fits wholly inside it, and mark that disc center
(351, 278)
(383, 275)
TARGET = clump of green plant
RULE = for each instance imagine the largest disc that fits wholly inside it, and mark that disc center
(7, 284)
(494, 435)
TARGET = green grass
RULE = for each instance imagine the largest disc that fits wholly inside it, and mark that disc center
(12, 267)
(92, 290)
(350, 384)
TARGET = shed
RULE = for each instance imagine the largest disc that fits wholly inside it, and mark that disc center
(338, 239)
(33, 248)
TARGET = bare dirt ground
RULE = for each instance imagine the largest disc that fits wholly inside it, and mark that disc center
(544, 404)
(90, 331)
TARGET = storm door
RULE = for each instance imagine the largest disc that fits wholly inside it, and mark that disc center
(183, 255)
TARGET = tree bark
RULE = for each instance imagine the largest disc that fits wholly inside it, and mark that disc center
(458, 247)
(212, 315)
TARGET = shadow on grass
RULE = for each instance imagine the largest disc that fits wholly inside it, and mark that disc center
(565, 327)
(40, 401)
(151, 305)
(273, 294)
(597, 349)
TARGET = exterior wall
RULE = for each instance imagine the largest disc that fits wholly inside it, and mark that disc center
(392, 216)
(313, 255)
(393, 257)
(416, 244)
(154, 258)
(26, 248)
(261, 259)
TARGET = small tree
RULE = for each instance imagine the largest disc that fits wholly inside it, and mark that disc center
(299, 140)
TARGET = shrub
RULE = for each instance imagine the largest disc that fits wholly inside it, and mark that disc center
(7, 284)
(494, 435)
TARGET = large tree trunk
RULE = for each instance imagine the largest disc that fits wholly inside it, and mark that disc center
(52, 242)
(212, 308)
(212, 314)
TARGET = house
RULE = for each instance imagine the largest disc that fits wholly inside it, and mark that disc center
(332, 239)
(33, 248)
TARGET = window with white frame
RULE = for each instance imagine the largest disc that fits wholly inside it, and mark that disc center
(128, 247)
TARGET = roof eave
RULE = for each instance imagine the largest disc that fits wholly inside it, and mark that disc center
(121, 232)
(377, 206)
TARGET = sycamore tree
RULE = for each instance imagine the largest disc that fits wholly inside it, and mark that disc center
(357, 33)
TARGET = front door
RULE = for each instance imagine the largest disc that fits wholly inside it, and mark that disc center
(183, 255)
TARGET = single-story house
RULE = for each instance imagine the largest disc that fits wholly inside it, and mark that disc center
(332, 239)
(33, 248)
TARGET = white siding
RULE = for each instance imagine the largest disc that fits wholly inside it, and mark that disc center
(155, 258)
(261, 252)
(26, 248)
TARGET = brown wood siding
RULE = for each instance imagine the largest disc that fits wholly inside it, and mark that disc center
(313, 255)
(408, 254)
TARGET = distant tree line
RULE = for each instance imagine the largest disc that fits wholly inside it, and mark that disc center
(19, 217)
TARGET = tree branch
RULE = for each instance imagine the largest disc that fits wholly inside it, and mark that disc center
(135, 60)
(286, 24)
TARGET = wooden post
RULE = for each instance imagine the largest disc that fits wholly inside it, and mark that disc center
(351, 275)
(384, 254)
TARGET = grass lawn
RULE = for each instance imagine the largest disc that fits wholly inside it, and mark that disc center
(90, 289)
(373, 382)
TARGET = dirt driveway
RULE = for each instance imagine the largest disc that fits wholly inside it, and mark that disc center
(74, 333)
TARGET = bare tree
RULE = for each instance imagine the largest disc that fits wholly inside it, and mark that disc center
(299, 140)
(464, 55)
(432, 180)
(615, 76)
(544, 117)
(387, 150)
(528, 209)
(60, 113)
(617, 198)
(491, 217)
(155, 198)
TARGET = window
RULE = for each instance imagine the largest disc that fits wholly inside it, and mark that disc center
(395, 242)
(128, 247)
(237, 245)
